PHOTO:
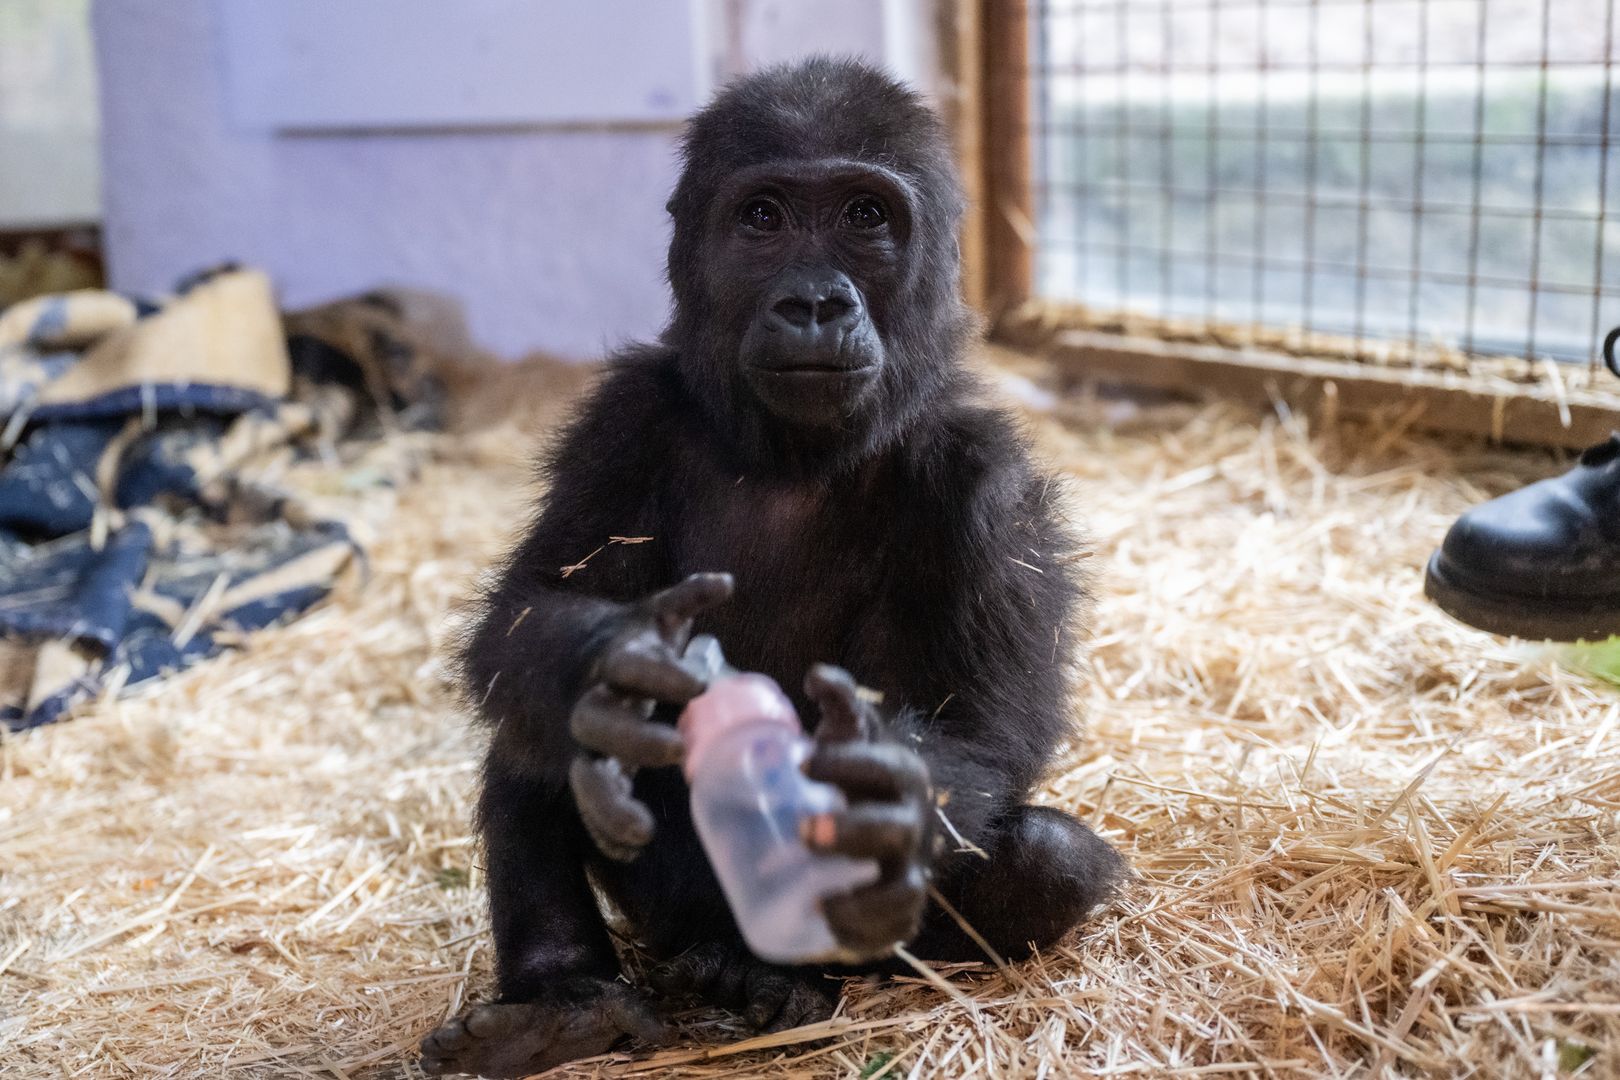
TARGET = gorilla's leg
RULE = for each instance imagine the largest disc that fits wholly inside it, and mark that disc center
(1045, 874)
(556, 972)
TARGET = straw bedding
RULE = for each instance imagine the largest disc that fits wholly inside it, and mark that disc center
(1366, 840)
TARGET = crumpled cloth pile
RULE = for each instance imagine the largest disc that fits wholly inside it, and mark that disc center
(146, 518)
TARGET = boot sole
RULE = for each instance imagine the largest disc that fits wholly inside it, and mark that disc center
(1551, 618)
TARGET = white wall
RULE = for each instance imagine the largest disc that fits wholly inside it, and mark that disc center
(899, 34)
(48, 169)
(551, 233)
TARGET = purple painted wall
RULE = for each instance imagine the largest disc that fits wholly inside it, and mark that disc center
(553, 236)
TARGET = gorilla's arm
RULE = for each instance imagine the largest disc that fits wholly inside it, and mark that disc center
(570, 650)
(983, 679)
(973, 656)
(525, 660)
(1002, 653)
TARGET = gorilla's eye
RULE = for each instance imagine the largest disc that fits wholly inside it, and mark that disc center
(865, 212)
(762, 215)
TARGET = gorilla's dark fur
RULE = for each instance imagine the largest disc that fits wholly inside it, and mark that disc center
(806, 427)
(823, 111)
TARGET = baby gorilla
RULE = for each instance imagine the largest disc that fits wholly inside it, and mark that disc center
(805, 424)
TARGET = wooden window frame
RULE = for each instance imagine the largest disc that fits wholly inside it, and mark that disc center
(986, 57)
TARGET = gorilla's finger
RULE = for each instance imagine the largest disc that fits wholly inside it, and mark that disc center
(869, 770)
(631, 1015)
(730, 990)
(766, 991)
(691, 972)
(883, 831)
(619, 824)
(619, 727)
(805, 1005)
(676, 607)
(647, 667)
(449, 1038)
(872, 919)
(834, 691)
(493, 1021)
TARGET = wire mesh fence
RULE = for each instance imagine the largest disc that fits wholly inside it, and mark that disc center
(1433, 173)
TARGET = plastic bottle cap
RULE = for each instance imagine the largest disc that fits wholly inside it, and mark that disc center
(729, 703)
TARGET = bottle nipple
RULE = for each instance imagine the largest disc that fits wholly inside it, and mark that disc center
(733, 699)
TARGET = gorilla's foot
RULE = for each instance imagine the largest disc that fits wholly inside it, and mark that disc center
(767, 997)
(585, 1018)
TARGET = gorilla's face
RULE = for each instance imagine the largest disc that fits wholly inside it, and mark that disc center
(808, 252)
(814, 264)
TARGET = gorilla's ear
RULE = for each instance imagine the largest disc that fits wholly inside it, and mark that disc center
(669, 207)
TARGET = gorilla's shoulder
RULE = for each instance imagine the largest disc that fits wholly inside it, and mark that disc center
(975, 449)
(995, 499)
(625, 417)
(638, 378)
(638, 386)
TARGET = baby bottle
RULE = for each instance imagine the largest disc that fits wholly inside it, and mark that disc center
(751, 803)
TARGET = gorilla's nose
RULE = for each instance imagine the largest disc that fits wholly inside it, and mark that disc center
(803, 313)
(815, 306)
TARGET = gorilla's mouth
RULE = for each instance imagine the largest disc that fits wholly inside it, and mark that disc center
(816, 391)
(813, 369)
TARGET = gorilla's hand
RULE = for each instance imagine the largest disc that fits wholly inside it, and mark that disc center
(636, 670)
(888, 819)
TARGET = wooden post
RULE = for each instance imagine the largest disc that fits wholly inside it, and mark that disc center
(1006, 196)
(961, 102)
(960, 24)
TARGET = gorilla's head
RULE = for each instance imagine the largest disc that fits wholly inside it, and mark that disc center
(814, 260)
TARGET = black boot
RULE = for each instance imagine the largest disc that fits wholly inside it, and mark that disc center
(1543, 561)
